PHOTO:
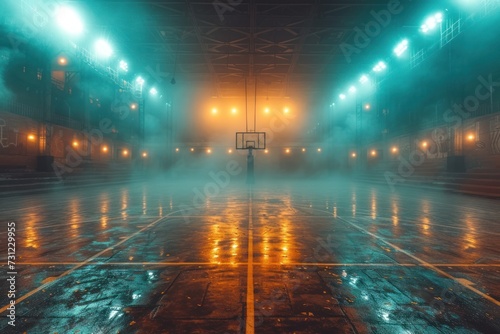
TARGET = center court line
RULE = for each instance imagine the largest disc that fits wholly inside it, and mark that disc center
(424, 263)
(67, 272)
(250, 321)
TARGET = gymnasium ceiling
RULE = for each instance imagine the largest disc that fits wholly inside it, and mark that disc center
(283, 46)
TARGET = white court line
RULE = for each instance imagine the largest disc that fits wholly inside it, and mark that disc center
(46, 285)
(250, 326)
(304, 264)
(424, 263)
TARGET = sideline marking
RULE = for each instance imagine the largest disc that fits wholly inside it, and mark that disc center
(81, 264)
(290, 264)
(250, 325)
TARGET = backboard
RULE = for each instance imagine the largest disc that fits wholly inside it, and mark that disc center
(253, 140)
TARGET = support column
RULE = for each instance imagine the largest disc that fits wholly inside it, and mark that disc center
(250, 171)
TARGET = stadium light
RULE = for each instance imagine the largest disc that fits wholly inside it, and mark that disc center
(103, 48)
(140, 81)
(431, 22)
(363, 79)
(123, 65)
(68, 20)
(401, 48)
(380, 66)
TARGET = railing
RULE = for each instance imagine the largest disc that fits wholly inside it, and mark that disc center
(66, 122)
(22, 110)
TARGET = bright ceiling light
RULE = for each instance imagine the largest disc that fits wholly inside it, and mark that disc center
(68, 20)
(380, 66)
(153, 91)
(363, 79)
(123, 65)
(401, 48)
(103, 48)
(431, 22)
(140, 81)
(352, 89)
(342, 96)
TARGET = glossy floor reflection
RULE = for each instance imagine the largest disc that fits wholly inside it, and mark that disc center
(329, 256)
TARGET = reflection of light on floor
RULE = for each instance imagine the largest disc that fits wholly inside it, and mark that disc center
(353, 201)
(104, 204)
(124, 199)
(31, 231)
(104, 221)
(395, 212)
(144, 204)
(265, 248)
(385, 315)
(160, 211)
(284, 233)
(75, 219)
(335, 212)
(115, 312)
(395, 220)
(426, 227)
(234, 247)
(469, 237)
(234, 244)
(216, 236)
(124, 202)
(374, 206)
